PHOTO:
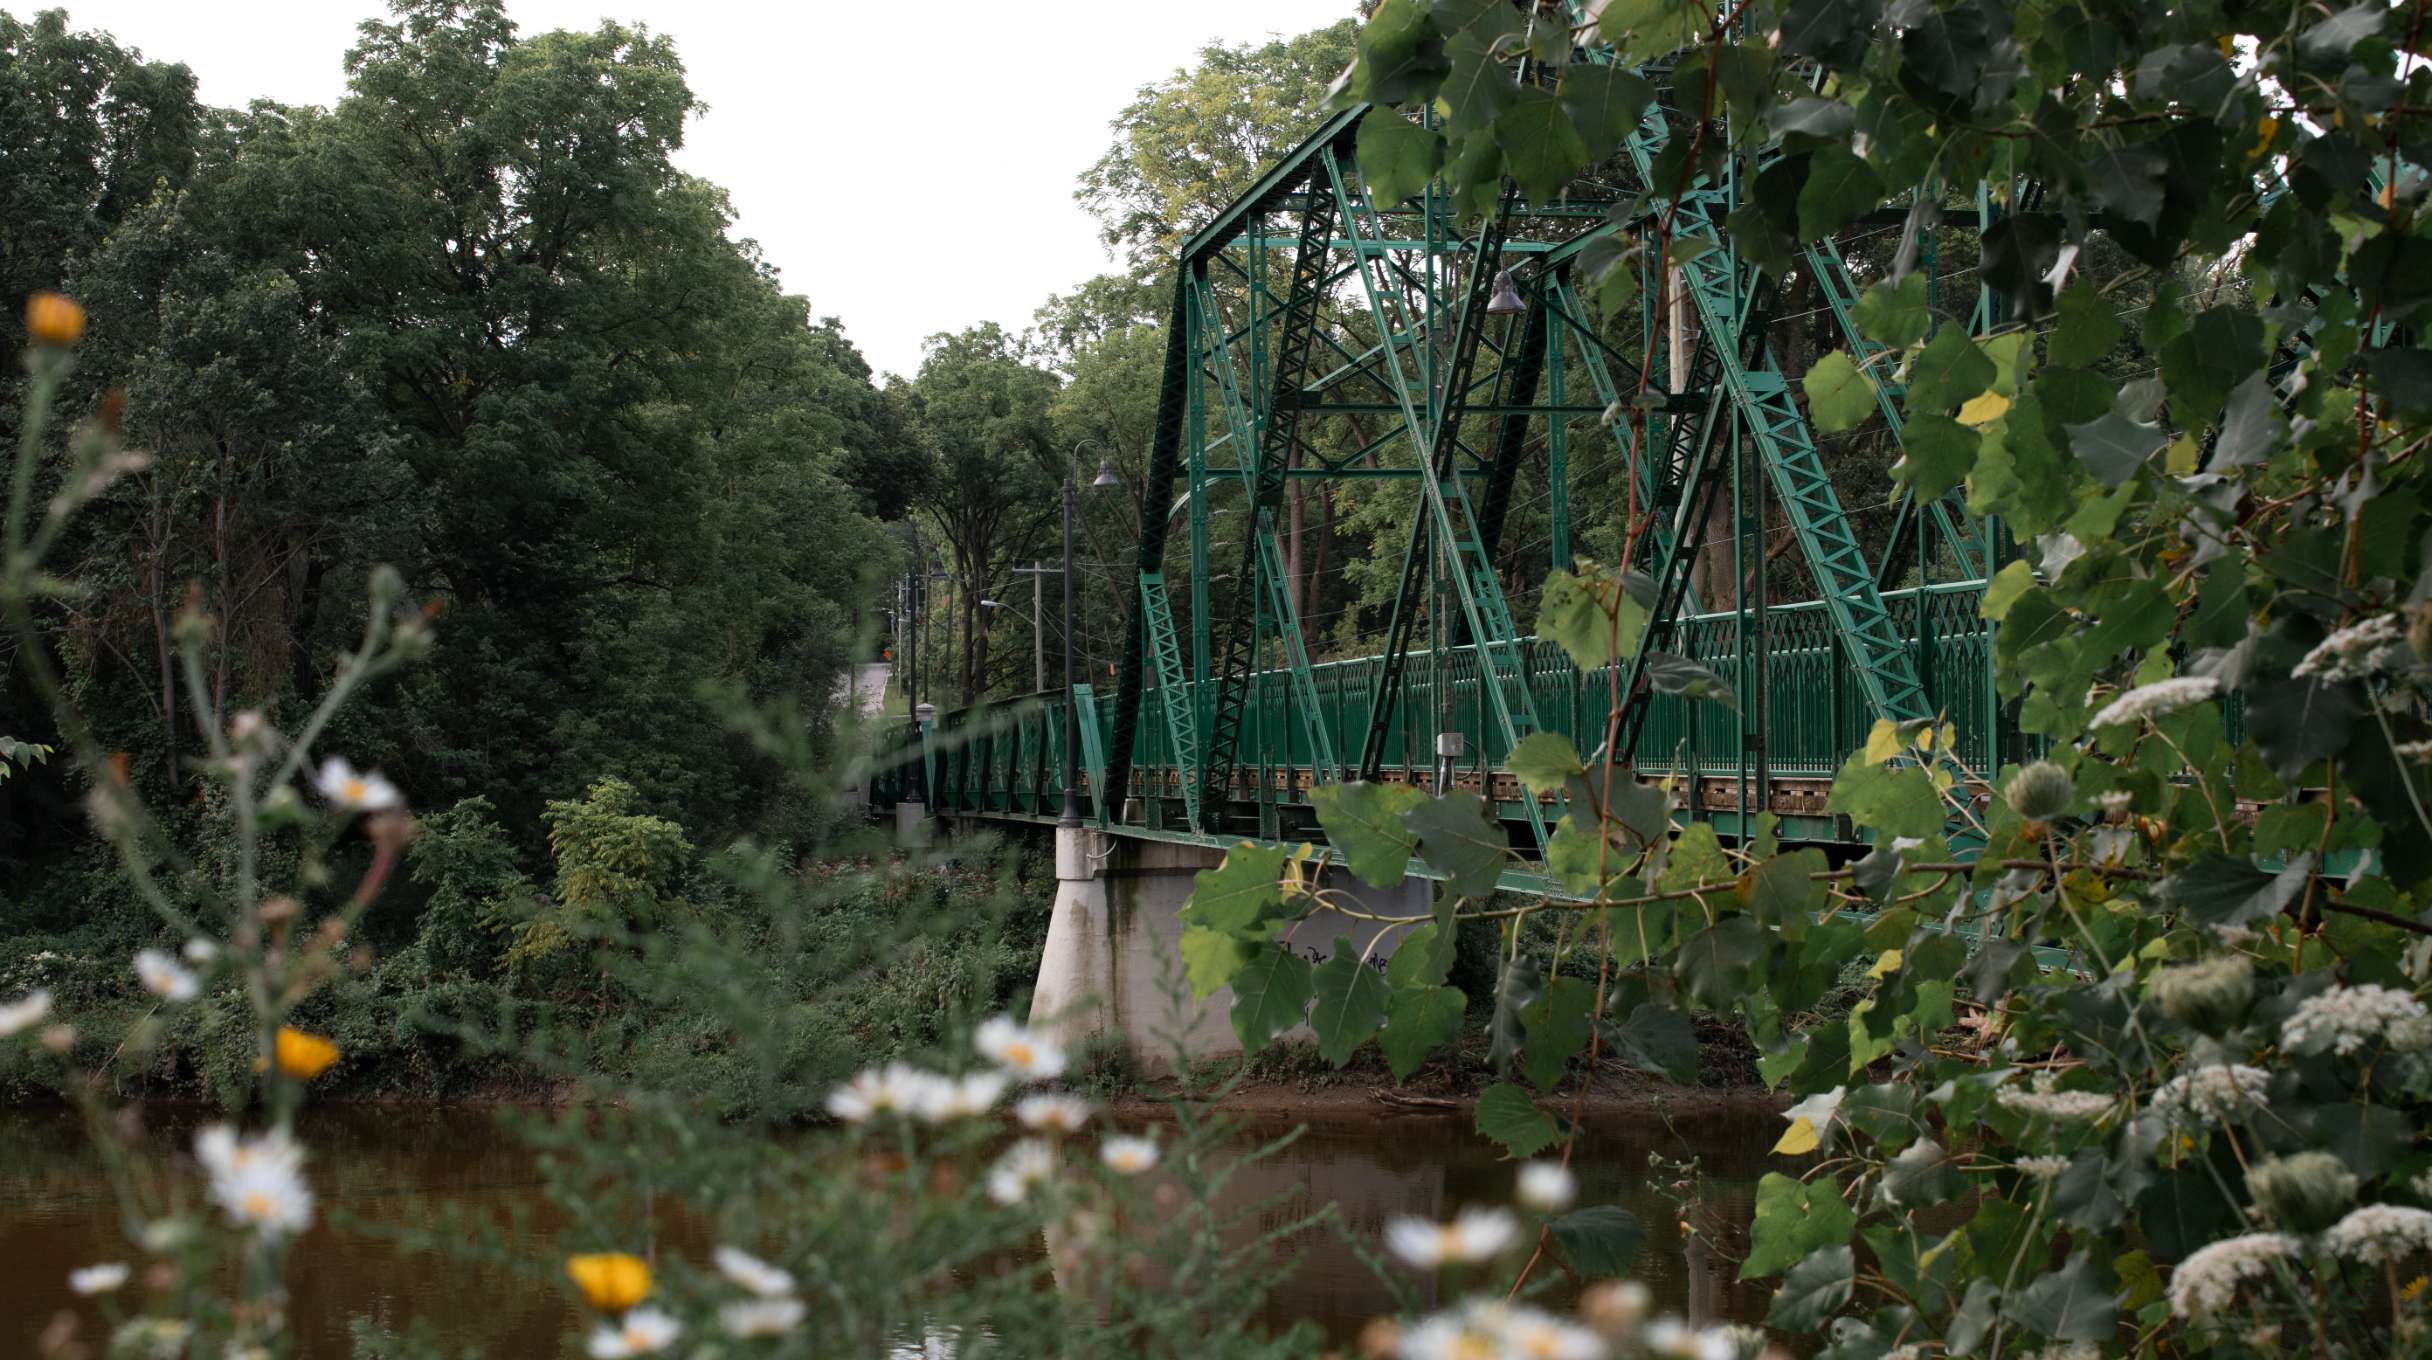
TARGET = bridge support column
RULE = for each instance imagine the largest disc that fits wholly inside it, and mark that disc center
(1113, 960)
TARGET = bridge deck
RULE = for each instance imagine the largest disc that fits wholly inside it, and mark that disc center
(1006, 760)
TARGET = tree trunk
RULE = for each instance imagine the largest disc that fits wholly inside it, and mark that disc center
(301, 673)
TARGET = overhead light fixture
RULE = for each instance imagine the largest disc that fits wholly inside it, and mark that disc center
(1506, 300)
(1106, 474)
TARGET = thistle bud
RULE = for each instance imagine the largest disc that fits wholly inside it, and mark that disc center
(53, 319)
(2039, 792)
(2303, 1192)
(2207, 997)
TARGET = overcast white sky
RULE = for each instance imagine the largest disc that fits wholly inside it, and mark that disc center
(908, 166)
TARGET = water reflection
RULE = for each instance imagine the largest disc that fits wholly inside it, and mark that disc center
(456, 1171)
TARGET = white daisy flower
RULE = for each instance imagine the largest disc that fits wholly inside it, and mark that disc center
(2345, 1019)
(98, 1279)
(2156, 700)
(1053, 1114)
(1533, 1334)
(1547, 1187)
(641, 1331)
(1677, 1340)
(273, 1200)
(1452, 1336)
(752, 1273)
(1024, 1167)
(1128, 1156)
(199, 951)
(25, 1012)
(1475, 1234)
(341, 785)
(2208, 1281)
(2114, 801)
(164, 977)
(224, 1154)
(893, 1089)
(1020, 1050)
(761, 1317)
(2380, 1234)
(949, 1098)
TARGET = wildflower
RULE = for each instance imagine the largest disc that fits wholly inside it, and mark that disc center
(2345, 1019)
(1673, 1338)
(2361, 649)
(53, 319)
(269, 1197)
(2303, 1191)
(2039, 791)
(2156, 700)
(354, 792)
(1450, 1337)
(1532, 1334)
(640, 1332)
(25, 1012)
(2113, 802)
(2380, 1234)
(301, 1055)
(2041, 1168)
(761, 1317)
(98, 1279)
(948, 1098)
(895, 1088)
(2208, 1281)
(1474, 1235)
(1024, 1167)
(1053, 1114)
(200, 952)
(2211, 1094)
(224, 1155)
(1547, 1187)
(2070, 1350)
(2207, 997)
(1128, 1156)
(1020, 1050)
(2061, 1107)
(752, 1273)
(157, 1337)
(1615, 1305)
(611, 1281)
(163, 977)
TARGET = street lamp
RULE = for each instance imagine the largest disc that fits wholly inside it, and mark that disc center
(1506, 300)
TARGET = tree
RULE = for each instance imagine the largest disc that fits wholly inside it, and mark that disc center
(982, 409)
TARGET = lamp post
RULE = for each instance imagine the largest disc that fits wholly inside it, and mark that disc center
(1071, 815)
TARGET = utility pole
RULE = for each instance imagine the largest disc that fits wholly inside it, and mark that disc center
(1038, 622)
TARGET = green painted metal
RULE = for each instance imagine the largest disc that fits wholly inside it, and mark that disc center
(1173, 689)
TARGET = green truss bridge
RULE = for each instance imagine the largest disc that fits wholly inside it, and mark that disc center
(1461, 351)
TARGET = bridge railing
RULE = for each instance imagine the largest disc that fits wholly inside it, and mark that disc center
(1008, 757)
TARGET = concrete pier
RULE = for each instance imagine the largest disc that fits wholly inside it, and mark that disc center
(1113, 959)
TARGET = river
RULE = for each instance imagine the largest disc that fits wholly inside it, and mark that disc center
(56, 1213)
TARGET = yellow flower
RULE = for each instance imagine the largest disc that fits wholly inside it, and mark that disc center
(304, 1056)
(612, 1280)
(53, 319)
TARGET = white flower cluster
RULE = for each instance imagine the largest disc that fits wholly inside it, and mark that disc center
(2042, 1168)
(2359, 650)
(2345, 1019)
(2061, 1107)
(1495, 1328)
(1019, 1054)
(258, 1181)
(2380, 1234)
(2208, 1281)
(2209, 1095)
(2157, 699)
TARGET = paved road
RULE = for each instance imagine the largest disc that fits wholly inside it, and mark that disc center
(870, 684)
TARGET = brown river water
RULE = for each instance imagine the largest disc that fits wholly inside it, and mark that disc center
(405, 1164)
